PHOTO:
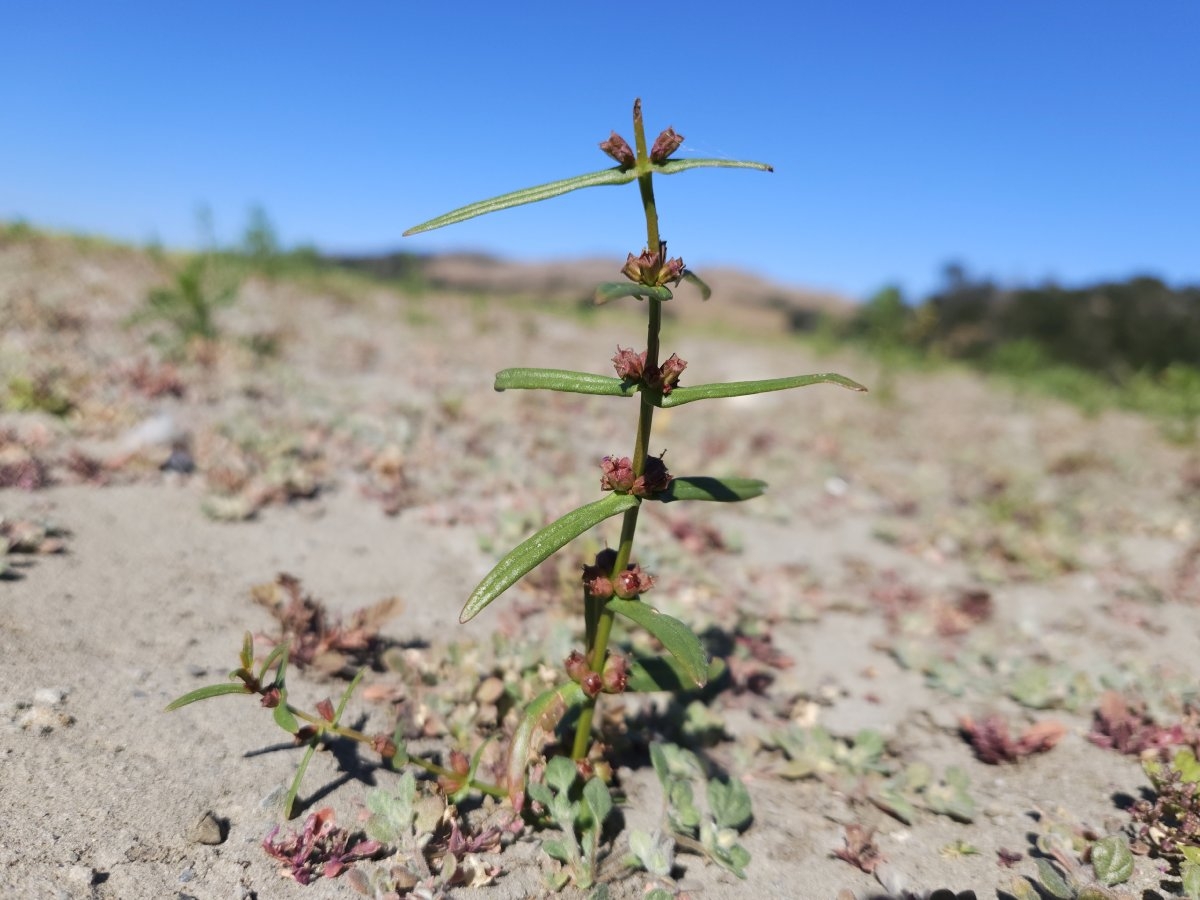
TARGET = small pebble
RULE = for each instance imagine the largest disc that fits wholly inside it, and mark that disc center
(81, 874)
(206, 830)
(49, 696)
(187, 875)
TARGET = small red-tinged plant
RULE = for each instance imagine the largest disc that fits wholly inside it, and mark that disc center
(994, 743)
(1124, 725)
(321, 849)
(859, 848)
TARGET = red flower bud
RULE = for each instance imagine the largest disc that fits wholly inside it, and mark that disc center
(668, 374)
(632, 582)
(653, 480)
(592, 684)
(629, 365)
(577, 667)
(325, 708)
(664, 145)
(271, 697)
(616, 147)
(596, 580)
(383, 745)
(616, 675)
(650, 269)
(616, 474)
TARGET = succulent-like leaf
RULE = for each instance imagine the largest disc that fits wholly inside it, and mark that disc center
(1112, 860)
(672, 166)
(563, 380)
(536, 548)
(542, 715)
(526, 195)
(682, 395)
(615, 290)
(283, 715)
(663, 673)
(247, 655)
(701, 487)
(680, 641)
(278, 653)
(212, 690)
(614, 175)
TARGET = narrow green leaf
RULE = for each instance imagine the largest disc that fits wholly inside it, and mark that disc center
(541, 716)
(680, 641)
(536, 548)
(721, 490)
(662, 673)
(701, 285)
(615, 290)
(682, 395)
(527, 195)
(247, 654)
(672, 166)
(280, 651)
(563, 380)
(212, 690)
(290, 800)
(341, 707)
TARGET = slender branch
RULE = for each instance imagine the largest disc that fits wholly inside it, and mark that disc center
(324, 726)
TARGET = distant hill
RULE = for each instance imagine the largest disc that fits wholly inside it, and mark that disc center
(749, 298)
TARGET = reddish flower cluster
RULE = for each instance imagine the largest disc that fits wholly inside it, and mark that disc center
(596, 581)
(616, 474)
(664, 145)
(600, 585)
(652, 268)
(631, 366)
(618, 149)
(321, 849)
(613, 680)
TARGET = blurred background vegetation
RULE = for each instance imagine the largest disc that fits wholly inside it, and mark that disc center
(1131, 344)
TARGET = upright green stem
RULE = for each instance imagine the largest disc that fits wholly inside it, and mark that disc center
(598, 643)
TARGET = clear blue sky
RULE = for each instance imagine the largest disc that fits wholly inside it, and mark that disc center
(1025, 138)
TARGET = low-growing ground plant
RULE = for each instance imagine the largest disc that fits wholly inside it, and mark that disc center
(572, 793)
(185, 311)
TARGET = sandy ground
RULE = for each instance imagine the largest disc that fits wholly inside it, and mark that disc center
(885, 512)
